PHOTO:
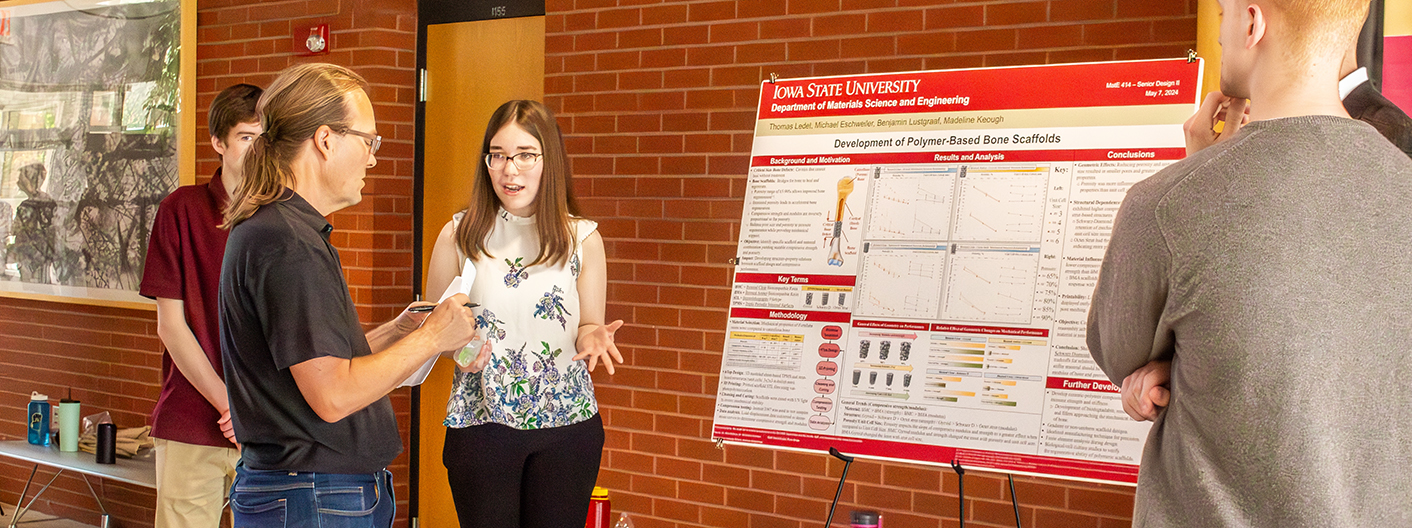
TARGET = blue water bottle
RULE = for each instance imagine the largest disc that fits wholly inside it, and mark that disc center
(39, 416)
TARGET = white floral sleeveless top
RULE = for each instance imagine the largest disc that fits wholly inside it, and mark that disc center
(532, 313)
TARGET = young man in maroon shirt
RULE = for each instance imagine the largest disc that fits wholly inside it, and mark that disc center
(196, 449)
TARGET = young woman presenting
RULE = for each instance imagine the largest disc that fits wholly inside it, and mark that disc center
(524, 439)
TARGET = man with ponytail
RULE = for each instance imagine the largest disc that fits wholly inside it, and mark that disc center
(308, 389)
(196, 450)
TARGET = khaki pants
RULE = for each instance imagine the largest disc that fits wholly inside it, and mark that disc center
(192, 481)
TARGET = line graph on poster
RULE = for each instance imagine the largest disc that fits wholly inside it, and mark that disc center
(992, 284)
(912, 203)
(901, 280)
(1001, 203)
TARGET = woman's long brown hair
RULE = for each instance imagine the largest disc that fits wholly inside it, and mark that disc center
(303, 98)
(554, 204)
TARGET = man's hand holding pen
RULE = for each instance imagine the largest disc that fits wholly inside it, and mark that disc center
(412, 317)
(450, 324)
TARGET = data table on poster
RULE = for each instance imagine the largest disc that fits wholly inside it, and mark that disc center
(917, 256)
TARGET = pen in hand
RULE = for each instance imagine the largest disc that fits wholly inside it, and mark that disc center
(430, 307)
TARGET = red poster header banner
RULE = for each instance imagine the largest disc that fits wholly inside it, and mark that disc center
(1082, 385)
(893, 325)
(1137, 83)
(991, 156)
(791, 315)
(992, 330)
(798, 280)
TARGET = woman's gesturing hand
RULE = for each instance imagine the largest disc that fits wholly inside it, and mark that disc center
(596, 344)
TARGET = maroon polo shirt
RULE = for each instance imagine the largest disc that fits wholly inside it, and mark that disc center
(184, 262)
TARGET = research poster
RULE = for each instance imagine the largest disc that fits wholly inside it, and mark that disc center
(916, 259)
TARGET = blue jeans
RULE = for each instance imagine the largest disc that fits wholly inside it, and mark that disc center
(283, 499)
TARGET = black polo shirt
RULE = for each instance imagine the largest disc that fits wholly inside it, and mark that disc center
(284, 301)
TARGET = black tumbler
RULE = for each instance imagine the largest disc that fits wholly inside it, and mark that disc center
(865, 519)
(107, 452)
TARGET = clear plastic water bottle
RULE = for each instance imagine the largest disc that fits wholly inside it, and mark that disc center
(623, 521)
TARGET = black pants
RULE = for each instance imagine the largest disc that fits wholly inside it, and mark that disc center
(504, 477)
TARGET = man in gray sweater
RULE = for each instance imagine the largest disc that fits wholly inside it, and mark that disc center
(1273, 270)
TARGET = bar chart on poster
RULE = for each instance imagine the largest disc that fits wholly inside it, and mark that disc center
(916, 259)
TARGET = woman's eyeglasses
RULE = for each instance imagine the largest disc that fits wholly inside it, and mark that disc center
(523, 160)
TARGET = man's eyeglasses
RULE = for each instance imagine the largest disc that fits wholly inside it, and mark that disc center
(523, 160)
(374, 141)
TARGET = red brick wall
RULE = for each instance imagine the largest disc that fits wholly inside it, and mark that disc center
(109, 356)
(658, 103)
(49, 346)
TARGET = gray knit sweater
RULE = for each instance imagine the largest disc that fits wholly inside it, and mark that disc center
(1275, 270)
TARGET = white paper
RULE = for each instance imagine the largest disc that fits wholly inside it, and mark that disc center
(461, 284)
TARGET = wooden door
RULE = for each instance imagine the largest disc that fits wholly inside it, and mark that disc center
(471, 69)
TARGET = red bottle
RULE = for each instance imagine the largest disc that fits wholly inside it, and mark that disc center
(600, 510)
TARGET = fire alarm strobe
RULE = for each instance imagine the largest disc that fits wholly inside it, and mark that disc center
(313, 42)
